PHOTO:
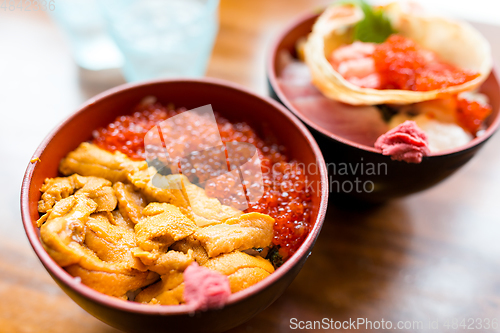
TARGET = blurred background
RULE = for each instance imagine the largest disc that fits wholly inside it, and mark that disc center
(53, 60)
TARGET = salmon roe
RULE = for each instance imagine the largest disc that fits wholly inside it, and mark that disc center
(471, 114)
(286, 196)
(126, 133)
(402, 64)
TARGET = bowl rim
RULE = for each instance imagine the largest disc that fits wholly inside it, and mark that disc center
(109, 301)
(273, 81)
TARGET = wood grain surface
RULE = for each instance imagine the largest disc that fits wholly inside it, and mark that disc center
(432, 256)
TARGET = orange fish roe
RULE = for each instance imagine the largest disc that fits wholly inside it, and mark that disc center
(286, 197)
(288, 200)
(126, 133)
(402, 64)
(471, 114)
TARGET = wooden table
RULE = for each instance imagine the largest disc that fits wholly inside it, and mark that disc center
(432, 256)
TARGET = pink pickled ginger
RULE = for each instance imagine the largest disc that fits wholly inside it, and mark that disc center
(205, 288)
(406, 142)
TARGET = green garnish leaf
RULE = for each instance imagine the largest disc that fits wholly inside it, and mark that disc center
(386, 111)
(274, 257)
(375, 27)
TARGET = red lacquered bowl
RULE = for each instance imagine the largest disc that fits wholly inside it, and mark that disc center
(230, 101)
(401, 178)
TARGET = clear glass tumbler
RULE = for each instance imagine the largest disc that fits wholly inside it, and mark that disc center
(85, 28)
(163, 38)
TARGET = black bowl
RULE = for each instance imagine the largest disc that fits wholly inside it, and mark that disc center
(362, 172)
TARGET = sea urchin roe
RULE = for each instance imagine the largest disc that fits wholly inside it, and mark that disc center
(286, 196)
(402, 64)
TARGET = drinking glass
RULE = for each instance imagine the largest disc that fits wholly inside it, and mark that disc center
(84, 25)
(162, 38)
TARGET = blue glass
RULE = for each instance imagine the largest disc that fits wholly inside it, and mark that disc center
(163, 38)
(92, 47)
